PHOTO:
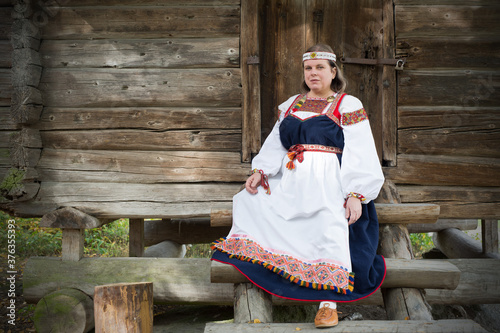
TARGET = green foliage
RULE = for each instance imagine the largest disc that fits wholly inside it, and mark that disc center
(198, 251)
(31, 240)
(421, 243)
(12, 181)
(111, 240)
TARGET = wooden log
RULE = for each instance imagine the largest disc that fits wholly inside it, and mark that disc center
(489, 232)
(401, 303)
(445, 52)
(64, 310)
(25, 34)
(455, 243)
(5, 86)
(188, 231)
(458, 128)
(26, 67)
(432, 274)
(387, 213)
(444, 170)
(5, 53)
(45, 275)
(146, 167)
(6, 23)
(462, 202)
(159, 119)
(400, 326)
(85, 3)
(6, 121)
(478, 284)
(250, 79)
(26, 105)
(124, 307)
(143, 53)
(143, 21)
(454, 20)
(104, 87)
(442, 224)
(72, 244)
(464, 87)
(136, 238)
(70, 218)
(252, 304)
(187, 140)
(19, 184)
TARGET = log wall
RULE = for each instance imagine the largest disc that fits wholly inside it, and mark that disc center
(142, 111)
(7, 125)
(449, 105)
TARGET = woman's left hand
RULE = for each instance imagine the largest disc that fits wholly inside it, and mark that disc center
(352, 210)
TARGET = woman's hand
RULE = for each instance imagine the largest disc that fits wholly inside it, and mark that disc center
(352, 209)
(253, 182)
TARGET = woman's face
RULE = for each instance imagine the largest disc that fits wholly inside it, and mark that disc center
(318, 75)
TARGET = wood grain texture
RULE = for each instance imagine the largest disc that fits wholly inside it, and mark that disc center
(143, 21)
(140, 87)
(141, 53)
(59, 165)
(401, 326)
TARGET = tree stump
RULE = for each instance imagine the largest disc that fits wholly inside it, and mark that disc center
(252, 304)
(124, 307)
(63, 311)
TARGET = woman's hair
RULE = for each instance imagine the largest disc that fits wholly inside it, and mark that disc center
(339, 83)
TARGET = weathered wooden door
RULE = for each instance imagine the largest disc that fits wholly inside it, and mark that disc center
(355, 29)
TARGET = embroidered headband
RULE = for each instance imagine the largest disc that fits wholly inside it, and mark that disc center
(319, 55)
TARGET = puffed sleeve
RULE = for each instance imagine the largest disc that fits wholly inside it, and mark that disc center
(360, 172)
(272, 152)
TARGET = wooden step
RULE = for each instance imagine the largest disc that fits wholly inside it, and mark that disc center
(387, 213)
(432, 274)
(362, 326)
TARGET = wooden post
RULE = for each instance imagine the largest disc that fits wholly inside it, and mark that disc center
(489, 231)
(252, 304)
(72, 244)
(400, 303)
(136, 238)
(124, 307)
(65, 310)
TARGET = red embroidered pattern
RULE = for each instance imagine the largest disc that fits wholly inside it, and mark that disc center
(314, 105)
(321, 276)
(355, 117)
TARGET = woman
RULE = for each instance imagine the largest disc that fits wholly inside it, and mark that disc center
(306, 228)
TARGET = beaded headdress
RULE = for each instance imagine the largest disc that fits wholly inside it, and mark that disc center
(319, 55)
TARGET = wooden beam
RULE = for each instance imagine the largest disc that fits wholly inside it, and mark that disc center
(455, 243)
(72, 244)
(251, 304)
(400, 326)
(136, 238)
(45, 275)
(489, 231)
(389, 84)
(387, 213)
(433, 274)
(442, 224)
(250, 79)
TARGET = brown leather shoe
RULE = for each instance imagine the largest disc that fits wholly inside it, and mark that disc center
(326, 317)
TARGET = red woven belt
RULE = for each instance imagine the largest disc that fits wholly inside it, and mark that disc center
(297, 152)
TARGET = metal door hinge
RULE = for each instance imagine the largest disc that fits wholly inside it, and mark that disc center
(398, 63)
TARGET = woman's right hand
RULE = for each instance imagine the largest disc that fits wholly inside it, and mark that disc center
(253, 182)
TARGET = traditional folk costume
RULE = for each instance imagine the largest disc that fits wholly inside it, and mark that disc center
(292, 238)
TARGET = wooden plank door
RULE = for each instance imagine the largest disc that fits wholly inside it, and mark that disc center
(354, 29)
